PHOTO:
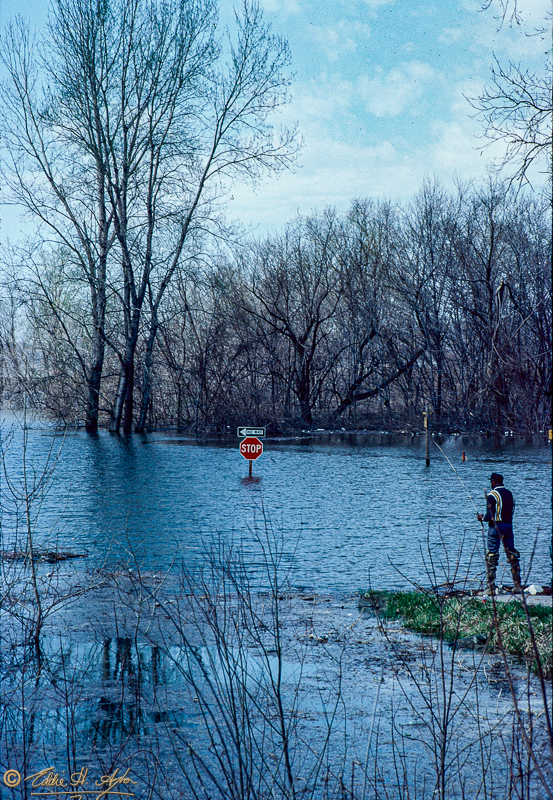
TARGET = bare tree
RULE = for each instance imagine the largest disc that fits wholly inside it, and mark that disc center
(293, 292)
(121, 134)
(517, 109)
(508, 10)
(372, 348)
(44, 175)
(502, 291)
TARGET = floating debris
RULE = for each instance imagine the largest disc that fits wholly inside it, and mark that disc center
(46, 556)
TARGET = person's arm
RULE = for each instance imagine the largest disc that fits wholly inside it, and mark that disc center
(490, 513)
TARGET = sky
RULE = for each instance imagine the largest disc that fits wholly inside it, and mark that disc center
(379, 97)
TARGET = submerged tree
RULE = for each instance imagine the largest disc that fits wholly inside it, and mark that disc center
(121, 131)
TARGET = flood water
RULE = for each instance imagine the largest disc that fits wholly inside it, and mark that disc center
(346, 509)
(139, 674)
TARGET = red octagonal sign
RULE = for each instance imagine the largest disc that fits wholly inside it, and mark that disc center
(251, 448)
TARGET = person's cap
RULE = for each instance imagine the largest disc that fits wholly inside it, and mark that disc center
(495, 476)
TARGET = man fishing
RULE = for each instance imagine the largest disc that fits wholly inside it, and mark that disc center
(499, 516)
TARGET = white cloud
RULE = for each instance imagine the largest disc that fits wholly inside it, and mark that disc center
(389, 94)
(459, 105)
(458, 149)
(534, 13)
(341, 38)
(451, 35)
(342, 162)
(326, 98)
(455, 149)
(333, 173)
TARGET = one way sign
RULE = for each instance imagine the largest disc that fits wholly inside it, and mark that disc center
(251, 432)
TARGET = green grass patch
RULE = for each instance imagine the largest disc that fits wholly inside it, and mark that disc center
(458, 618)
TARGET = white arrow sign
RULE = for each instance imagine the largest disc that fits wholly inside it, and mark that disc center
(251, 432)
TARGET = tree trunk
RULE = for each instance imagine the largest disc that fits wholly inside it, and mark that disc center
(124, 396)
(147, 383)
(98, 302)
(129, 392)
(92, 406)
(303, 385)
(355, 394)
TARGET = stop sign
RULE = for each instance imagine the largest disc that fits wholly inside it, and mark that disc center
(251, 448)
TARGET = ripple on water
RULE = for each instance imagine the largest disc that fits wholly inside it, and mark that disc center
(345, 510)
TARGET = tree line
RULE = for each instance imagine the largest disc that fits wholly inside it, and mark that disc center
(341, 320)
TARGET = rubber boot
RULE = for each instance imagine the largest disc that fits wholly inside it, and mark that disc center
(513, 557)
(492, 560)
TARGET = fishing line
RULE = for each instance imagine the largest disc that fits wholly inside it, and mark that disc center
(467, 492)
(459, 477)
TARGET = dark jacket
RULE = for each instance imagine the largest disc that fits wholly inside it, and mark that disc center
(501, 506)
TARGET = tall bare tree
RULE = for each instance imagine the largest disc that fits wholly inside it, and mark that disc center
(372, 319)
(294, 291)
(428, 265)
(121, 134)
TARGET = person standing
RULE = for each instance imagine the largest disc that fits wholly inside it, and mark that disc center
(499, 516)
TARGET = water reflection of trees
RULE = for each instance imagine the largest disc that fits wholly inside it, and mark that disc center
(130, 671)
(123, 658)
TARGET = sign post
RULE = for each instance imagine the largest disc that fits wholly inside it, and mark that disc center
(251, 448)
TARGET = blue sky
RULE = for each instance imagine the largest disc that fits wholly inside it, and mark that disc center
(379, 96)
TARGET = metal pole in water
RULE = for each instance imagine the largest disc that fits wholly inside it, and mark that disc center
(427, 436)
(251, 462)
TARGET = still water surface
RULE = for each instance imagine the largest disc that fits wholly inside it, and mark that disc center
(346, 508)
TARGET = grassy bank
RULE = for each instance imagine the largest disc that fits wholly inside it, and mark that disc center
(469, 619)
